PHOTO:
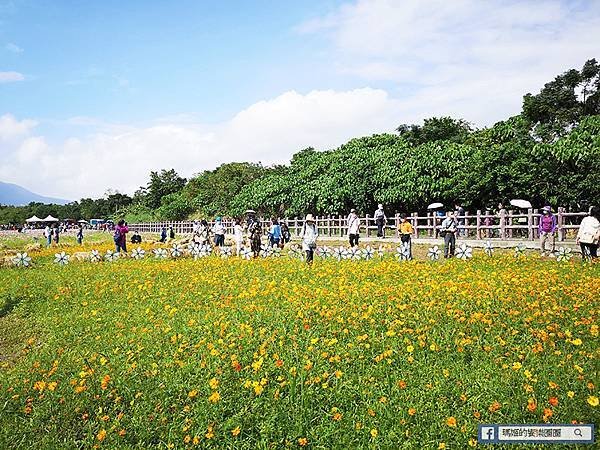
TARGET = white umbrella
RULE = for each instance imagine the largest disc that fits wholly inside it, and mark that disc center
(435, 206)
(82, 221)
(33, 219)
(50, 219)
(523, 204)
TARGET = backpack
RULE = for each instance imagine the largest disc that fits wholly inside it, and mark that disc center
(117, 235)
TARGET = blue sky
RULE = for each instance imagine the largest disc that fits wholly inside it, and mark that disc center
(94, 95)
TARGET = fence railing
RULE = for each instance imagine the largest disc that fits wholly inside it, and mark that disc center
(480, 225)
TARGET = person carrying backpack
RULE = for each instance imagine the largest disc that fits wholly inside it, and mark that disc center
(286, 236)
(120, 236)
(309, 235)
(48, 235)
(163, 234)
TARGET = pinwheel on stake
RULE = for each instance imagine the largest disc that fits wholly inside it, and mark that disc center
(381, 251)
(95, 256)
(354, 253)
(276, 252)
(488, 248)
(368, 252)
(464, 252)
(519, 250)
(111, 256)
(62, 259)
(246, 253)
(176, 251)
(160, 253)
(225, 252)
(22, 260)
(564, 254)
(138, 253)
(434, 253)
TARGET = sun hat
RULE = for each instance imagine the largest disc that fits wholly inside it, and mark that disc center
(353, 210)
(309, 218)
(218, 219)
(380, 206)
(547, 208)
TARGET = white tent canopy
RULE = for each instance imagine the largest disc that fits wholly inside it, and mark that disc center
(33, 219)
(50, 219)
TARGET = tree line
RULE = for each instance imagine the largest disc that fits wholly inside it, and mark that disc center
(549, 154)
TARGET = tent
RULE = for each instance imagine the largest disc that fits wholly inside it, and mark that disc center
(33, 219)
(50, 219)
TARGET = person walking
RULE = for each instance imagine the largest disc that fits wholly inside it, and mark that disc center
(171, 233)
(80, 234)
(219, 231)
(120, 236)
(56, 234)
(406, 230)
(309, 235)
(48, 235)
(255, 235)
(588, 236)
(275, 233)
(163, 234)
(238, 236)
(448, 230)
(547, 230)
(380, 220)
(353, 222)
(286, 236)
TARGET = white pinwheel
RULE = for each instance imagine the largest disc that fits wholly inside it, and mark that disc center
(381, 251)
(111, 256)
(326, 252)
(138, 253)
(464, 252)
(246, 253)
(519, 250)
(434, 253)
(294, 251)
(192, 246)
(225, 252)
(95, 256)
(564, 254)
(22, 260)
(160, 253)
(176, 251)
(368, 252)
(195, 251)
(62, 259)
(403, 252)
(488, 248)
(276, 252)
(265, 251)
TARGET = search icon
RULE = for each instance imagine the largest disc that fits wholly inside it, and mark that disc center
(577, 432)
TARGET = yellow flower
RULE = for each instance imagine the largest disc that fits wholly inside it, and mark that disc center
(451, 421)
(214, 397)
(517, 365)
(412, 411)
(101, 435)
(576, 341)
(441, 446)
(593, 400)
(374, 433)
(235, 431)
(302, 441)
(193, 393)
(410, 349)
(570, 394)
(52, 385)
(213, 383)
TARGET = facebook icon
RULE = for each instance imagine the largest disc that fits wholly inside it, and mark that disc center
(487, 434)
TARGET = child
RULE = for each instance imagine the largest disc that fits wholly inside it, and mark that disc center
(406, 229)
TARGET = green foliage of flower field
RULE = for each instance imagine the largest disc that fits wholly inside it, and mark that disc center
(272, 353)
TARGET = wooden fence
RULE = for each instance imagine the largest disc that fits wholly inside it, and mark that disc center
(481, 225)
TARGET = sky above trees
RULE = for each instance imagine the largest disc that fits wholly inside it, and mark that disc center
(98, 94)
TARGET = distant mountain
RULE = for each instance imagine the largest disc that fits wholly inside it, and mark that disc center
(11, 194)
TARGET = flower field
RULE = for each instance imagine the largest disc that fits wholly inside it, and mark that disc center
(230, 353)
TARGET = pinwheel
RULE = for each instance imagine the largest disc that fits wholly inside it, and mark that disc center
(265, 251)
(62, 259)
(95, 256)
(434, 253)
(225, 252)
(403, 252)
(160, 253)
(381, 251)
(176, 251)
(276, 252)
(111, 256)
(564, 254)
(138, 253)
(488, 248)
(246, 253)
(519, 250)
(464, 252)
(21, 260)
(368, 252)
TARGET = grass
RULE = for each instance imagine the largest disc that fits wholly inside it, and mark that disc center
(272, 353)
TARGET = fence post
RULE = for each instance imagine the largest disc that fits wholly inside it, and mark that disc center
(296, 226)
(478, 224)
(415, 221)
(560, 222)
(397, 224)
(502, 224)
(329, 225)
(530, 224)
(510, 220)
(367, 225)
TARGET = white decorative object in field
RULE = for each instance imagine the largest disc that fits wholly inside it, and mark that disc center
(564, 254)
(95, 256)
(226, 252)
(265, 251)
(195, 251)
(355, 253)
(488, 248)
(110, 256)
(62, 259)
(206, 249)
(276, 252)
(138, 253)
(403, 252)
(22, 260)
(519, 250)
(160, 253)
(381, 251)
(368, 252)
(176, 251)
(246, 253)
(434, 253)
(464, 252)
(192, 247)
(295, 252)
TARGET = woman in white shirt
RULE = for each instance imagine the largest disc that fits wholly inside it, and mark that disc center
(588, 235)
(309, 237)
(238, 235)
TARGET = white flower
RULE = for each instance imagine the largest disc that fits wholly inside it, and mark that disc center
(176, 251)
(355, 253)
(368, 252)
(225, 252)
(138, 253)
(62, 259)
(95, 256)
(519, 250)
(564, 254)
(160, 253)
(464, 252)
(111, 256)
(246, 253)
(22, 260)
(488, 248)
(434, 253)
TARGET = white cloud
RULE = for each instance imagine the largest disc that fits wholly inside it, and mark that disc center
(11, 47)
(270, 131)
(11, 127)
(9, 77)
(464, 58)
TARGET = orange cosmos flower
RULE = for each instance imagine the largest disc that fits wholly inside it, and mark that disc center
(451, 422)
